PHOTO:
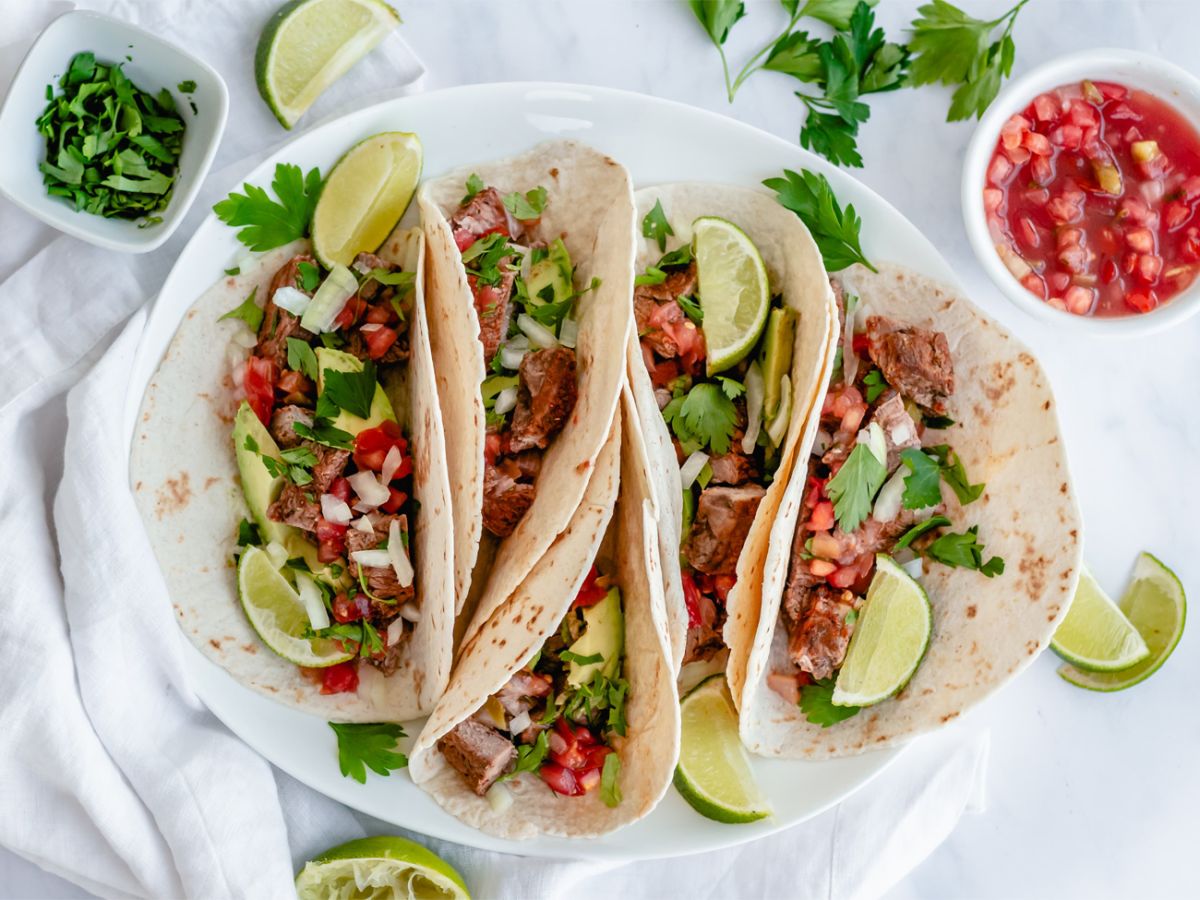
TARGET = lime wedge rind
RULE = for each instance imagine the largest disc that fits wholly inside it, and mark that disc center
(1156, 604)
(713, 774)
(891, 638)
(391, 866)
(1095, 635)
(734, 288)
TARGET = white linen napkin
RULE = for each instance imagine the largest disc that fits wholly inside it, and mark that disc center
(112, 774)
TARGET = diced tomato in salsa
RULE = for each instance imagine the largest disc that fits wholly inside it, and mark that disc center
(1091, 197)
(372, 445)
(691, 599)
(259, 385)
(590, 593)
(379, 340)
(340, 679)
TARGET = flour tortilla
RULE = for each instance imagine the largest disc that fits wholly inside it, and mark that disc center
(985, 631)
(796, 272)
(589, 203)
(186, 486)
(517, 629)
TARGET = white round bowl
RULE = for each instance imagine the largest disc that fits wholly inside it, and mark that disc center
(1137, 70)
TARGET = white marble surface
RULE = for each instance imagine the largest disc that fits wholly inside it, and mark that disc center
(1089, 795)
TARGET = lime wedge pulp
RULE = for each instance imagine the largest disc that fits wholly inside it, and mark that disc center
(380, 868)
(309, 44)
(891, 637)
(277, 613)
(1095, 635)
(713, 773)
(735, 296)
(1156, 606)
(365, 195)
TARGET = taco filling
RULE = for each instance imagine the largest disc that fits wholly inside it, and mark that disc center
(522, 286)
(727, 428)
(874, 485)
(325, 461)
(556, 718)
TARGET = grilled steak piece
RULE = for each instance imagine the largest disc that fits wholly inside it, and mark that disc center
(546, 396)
(678, 283)
(732, 468)
(388, 661)
(493, 307)
(296, 506)
(818, 644)
(899, 429)
(381, 580)
(278, 324)
(505, 501)
(723, 518)
(916, 362)
(479, 753)
(704, 640)
(650, 317)
(329, 465)
(483, 214)
(523, 691)
(282, 421)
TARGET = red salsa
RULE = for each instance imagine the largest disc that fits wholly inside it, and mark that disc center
(1091, 198)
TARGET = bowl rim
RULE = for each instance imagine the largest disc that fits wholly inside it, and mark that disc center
(1014, 97)
(133, 239)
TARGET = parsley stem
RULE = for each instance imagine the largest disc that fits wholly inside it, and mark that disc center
(754, 63)
(1011, 15)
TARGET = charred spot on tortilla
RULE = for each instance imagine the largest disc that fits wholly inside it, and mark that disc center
(971, 610)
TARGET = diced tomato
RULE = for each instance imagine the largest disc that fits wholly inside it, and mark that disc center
(999, 170)
(842, 577)
(372, 445)
(1079, 299)
(1108, 272)
(380, 314)
(1063, 210)
(1013, 130)
(822, 517)
(1148, 268)
(379, 340)
(395, 501)
(340, 679)
(258, 383)
(1111, 91)
(1058, 282)
(340, 488)
(350, 312)
(1046, 107)
(992, 198)
(331, 540)
(293, 384)
(491, 448)
(589, 779)
(1140, 240)
(1191, 244)
(464, 238)
(684, 333)
(560, 780)
(1141, 300)
(487, 297)
(345, 609)
(722, 585)
(691, 599)
(1034, 284)
(1176, 214)
(590, 593)
(571, 746)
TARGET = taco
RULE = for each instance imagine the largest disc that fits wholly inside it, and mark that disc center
(721, 442)
(530, 264)
(937, 444)
(562, 715)
(317, 427)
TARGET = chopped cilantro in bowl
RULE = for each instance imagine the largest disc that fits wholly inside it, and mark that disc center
(112, 149)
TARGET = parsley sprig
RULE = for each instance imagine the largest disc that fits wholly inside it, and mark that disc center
(369, 745)
(816, 702)
(836, 230)
(266, 223)
(705, 416)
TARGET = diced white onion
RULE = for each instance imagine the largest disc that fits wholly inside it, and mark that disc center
(1152, 191)
(329, 300)
(903, 431)
(821, 442)
(691, 468)
(411, 612)
(391, 464)
(755, 390)
(310, 596)
(510, 356)
(277, 553)
(243, 338)
(335, 510)
(360, 507)
(395, 631)
(506, 400)
(520, 723)
(849, 357)
(568, 333)
(370, 327)
(539, 335)
(873, 437)
(239, 372)
(291, 299)
(913, 567)
(499, 798)
(363, 524)
(368, 488)
(371, 559)
(887, 504)
(399, 555)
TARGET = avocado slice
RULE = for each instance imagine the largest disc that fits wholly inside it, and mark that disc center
(776, 356)
(554, 271)
(381, 407)
(604, 634)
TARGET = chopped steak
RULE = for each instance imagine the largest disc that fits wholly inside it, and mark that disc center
(522, 692)
(916, 362)
(505, 501)
(704, 640)
(329, 465)
(732, 468)
(479, 753)
(356, 345)
(484, 214)
(296, 506)
(493, 307)
(278, 324)
(723, 518)
(650, 317)
(678, 283)
(528, 464)
(899, 429)
(545, 398)
(388, 661)
(818, 645)
(381, 580)
(282, 421)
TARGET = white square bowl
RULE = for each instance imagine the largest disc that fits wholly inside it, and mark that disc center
(155, 64)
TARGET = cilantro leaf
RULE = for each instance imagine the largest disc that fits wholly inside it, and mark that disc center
(796, 54)
(571, 656)
(830, 136)
(653, 275)
(528, 205)
(680, 256)
(186, 87)
(483, 258)
(923, 487)
(731, 387)
(474, 186)
(368, 745)
(855, 485)
(610, 791)
(529, 756)
(705, 415)
(248, 535)
(836, 13)
(835, 230)
(691, 309)
(323, 432)
(717, 17)
(300, 357)
(266, 223)
(352, 391)
(248, 311)
(310, 276)
(954, 473)
(953, 47)
(964, 551)
(816, 702)
(919, 529)
(938, 422)
(299, 456)
(655, 225)
(875, 384)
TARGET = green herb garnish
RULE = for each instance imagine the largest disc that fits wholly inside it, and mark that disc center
(266, 223)
(368, 745)
(655, 225)
(816, 702)
(835, 230)
(248, 311)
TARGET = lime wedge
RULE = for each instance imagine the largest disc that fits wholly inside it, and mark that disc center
(1157, 607)
(380, 868)
(714, 774)
(277, 613)
(892, 636)
(1095, 635)
(309, 44)
(365, 195)
(734, 293)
